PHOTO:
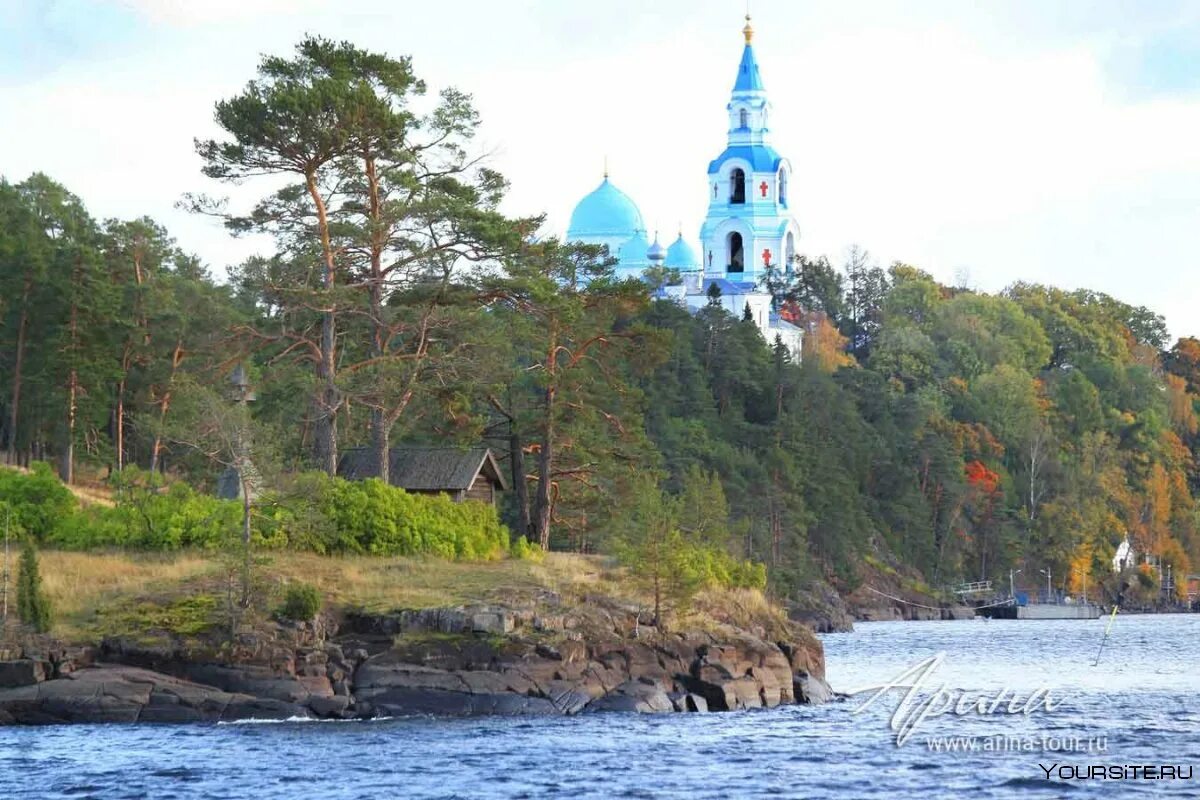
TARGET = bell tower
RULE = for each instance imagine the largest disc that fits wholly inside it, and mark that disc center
(748, 227)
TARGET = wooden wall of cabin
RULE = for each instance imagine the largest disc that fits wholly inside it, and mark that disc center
(481, 489)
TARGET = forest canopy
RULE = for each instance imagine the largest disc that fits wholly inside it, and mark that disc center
(958, 432)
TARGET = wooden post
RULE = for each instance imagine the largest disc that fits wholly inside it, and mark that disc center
(7, 523)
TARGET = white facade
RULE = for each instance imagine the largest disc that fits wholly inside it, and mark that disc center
(748, 227)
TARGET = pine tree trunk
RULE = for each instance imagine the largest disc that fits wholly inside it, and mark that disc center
(67, 470)
(545, 459)
(18, 364)
(127, 358)
(380, 426)
(164, 404)
(516, 454)
(381, 445)
(119, 425)
(545, 468)
(542, 498)
(327, 399)
(325, 425)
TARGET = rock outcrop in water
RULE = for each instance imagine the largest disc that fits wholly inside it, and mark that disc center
(449, 661)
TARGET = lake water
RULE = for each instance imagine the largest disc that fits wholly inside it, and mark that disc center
(1142, 704)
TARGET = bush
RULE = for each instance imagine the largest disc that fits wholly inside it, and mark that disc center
(33, 607)
(301, 602)
(149, 518)
(717, 567)
(523, 549)
(318, 513)
(331, 515)
(40, 503)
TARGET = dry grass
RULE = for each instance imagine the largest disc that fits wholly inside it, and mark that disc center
(747, 609)
(89, 590)
(387, 583)
(81, 585)
(93, 495)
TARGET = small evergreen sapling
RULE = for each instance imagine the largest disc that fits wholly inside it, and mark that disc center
(33, 607)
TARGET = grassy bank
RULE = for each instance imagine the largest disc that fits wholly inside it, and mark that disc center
(100, 593)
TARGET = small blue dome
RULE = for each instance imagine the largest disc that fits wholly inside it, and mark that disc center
(656, 252)
(633, 252)
(680, 255)
(607, 211)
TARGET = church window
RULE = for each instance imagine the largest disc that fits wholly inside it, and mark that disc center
(744, 118)
(737, 256)
(782, 187)
(737, 186)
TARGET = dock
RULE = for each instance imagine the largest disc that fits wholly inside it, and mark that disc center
(1041, 611)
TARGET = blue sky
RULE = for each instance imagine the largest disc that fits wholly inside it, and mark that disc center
(996, 141)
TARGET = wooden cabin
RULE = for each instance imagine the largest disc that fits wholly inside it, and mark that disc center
(462, 474)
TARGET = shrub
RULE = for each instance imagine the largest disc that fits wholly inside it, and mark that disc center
(146, 518)
(522, 548)
(40, 503)
(317, 513)
(33, 607)
(370, 516)
(301, 602)
(717, 567)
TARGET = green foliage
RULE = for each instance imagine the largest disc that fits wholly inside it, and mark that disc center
(146, 517)
(961, 433)
(301, 602)
(673, 563)
(716, 567)
(186, 616)
(522, 548)
(33, 607)
(318, 513)
(37, 499)
(339, 516)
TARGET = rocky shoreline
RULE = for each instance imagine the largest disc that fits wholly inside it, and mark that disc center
(456, 661)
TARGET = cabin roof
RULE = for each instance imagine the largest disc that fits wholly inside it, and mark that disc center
(429, 469)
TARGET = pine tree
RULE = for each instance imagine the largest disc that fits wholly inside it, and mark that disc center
(658, 554)
(33, 607)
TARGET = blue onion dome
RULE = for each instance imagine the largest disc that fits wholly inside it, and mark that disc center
(656, 252)
(606, 211)
(633, 252)
(680, 255)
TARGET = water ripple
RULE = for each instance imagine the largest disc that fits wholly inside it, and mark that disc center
(1142, 700)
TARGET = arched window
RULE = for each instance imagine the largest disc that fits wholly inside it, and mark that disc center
(789, 252)
(744, 118)
(737, 186)
(737, 257)
(783, 187)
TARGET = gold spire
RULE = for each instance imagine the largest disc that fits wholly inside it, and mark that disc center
(747, 31)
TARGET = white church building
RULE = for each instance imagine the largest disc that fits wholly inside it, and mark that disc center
(748, 228)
